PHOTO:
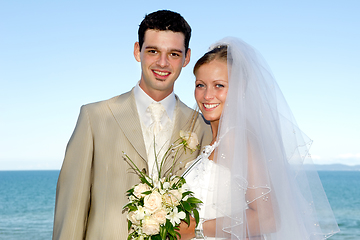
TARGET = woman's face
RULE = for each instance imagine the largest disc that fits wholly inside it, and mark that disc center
(211, 88)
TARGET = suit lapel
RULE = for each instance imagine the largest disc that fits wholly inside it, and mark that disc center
(125, 112)
(182, 122)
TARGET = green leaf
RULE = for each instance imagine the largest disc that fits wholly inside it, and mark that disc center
(169, 227)
(193, 200)
(127, 205)
(187, 193)
(131, 235)
(130, 190)
(187, 206)
(182, 180)
(147, 192)
(163, 233)
(156, 237)
(129, 224)
(132, 208)
(196, 216)
(193, 205)
(187, 218)
(144, 180)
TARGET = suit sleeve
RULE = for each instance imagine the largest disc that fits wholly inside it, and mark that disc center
(74, 183)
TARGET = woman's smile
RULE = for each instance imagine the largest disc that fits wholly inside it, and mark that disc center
(210, 106)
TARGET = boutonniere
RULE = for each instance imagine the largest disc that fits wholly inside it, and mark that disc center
(189, 140)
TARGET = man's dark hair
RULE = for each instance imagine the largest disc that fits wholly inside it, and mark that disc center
(165, 20)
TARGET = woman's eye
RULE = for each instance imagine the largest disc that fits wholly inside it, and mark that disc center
(199, 85)
(219, 85)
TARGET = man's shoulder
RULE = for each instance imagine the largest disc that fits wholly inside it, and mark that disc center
(107, 102)
(187, 111)
(185, 108)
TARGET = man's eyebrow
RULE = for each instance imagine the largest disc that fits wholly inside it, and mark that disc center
(177, 50)
(150, 47)
(171, 50)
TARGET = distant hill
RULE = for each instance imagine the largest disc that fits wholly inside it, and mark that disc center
(336, 167)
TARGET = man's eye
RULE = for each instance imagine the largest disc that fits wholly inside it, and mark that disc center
(152, 51)
(175, 55)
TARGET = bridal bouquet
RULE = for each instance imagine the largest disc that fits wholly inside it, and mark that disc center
(158, 204)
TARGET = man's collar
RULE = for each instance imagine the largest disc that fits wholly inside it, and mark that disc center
(143, 101)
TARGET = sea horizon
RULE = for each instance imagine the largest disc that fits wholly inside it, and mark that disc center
(317, 167)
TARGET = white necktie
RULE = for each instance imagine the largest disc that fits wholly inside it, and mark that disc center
(157, 111)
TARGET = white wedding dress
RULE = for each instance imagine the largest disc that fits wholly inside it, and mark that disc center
(200, 179)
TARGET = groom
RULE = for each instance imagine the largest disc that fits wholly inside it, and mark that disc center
(94, 176)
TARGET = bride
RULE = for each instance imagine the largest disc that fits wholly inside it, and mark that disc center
(252, 177)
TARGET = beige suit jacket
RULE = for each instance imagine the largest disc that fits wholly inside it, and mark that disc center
(94, 176)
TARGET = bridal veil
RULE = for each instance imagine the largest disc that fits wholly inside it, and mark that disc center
(269, 191)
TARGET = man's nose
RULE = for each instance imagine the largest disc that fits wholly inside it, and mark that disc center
(163, 60)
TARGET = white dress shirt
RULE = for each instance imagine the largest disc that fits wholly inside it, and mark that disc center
(162, 140)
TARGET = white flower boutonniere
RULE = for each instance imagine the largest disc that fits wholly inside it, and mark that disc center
(190, 140)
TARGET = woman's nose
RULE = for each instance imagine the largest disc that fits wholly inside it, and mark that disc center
(208, 95)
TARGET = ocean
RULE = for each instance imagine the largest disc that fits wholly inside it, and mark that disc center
(27, 201)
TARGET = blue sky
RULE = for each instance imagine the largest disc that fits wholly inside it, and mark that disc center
(58, 55)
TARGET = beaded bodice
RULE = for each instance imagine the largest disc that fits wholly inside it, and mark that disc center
(199, 178)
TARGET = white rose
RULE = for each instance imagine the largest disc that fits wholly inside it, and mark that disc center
(160, 216)
(152, 202)
(173, 197)
(191, 139)
(139, 189)
(150, 226)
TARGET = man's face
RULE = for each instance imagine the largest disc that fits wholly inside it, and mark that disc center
(162, 57)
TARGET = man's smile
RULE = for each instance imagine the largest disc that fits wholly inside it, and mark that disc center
(161, 73)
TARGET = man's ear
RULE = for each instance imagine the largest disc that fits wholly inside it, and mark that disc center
(187, 57)
(137, 51)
